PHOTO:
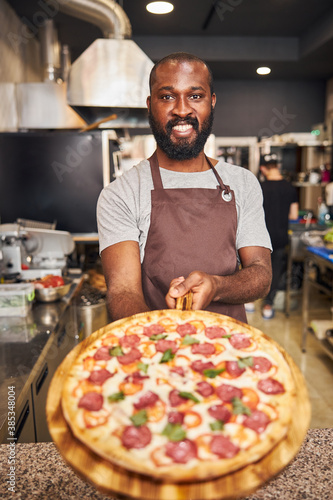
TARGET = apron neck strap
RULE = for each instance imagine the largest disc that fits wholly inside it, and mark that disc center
(156, 174)
(155, 171)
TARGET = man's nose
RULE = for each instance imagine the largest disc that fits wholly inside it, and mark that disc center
(182, 107)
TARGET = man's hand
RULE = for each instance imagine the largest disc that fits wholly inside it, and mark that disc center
(247, 284)
(203, 286)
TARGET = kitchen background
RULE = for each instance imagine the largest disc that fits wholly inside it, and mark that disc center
(59, 146)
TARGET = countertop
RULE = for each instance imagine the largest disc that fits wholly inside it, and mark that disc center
(22, 343)
(40, 472)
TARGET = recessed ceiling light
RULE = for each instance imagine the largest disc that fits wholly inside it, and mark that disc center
(159, 7)
(263, 70)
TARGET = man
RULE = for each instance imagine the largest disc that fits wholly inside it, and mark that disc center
(281, 206)
(175, 223)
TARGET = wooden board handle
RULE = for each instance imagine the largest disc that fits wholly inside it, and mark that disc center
(184, 303)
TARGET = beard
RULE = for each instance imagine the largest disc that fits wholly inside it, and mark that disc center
(183, 149)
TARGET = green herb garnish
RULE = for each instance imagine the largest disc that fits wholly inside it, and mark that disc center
(139, 418)
(116, 396)
(167, 356)
(217, 425)
(189, 340)
(143, 367)
(174, 432)
(116, 351)
(212, 373)
(189, 395)
(239, 408)
(158, 336)
(245, 362)
(226, 336)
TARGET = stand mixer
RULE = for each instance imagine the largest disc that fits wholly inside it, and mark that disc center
(31, 253)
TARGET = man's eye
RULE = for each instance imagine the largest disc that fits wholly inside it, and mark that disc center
(195, 96)
(166, 97)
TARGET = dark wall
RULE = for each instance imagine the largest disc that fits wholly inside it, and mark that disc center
(268, 107)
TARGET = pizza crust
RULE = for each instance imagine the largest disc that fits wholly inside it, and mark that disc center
(104, 439)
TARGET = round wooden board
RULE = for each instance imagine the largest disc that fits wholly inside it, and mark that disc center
(115, 481)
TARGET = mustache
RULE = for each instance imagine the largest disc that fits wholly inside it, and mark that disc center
(183, 121)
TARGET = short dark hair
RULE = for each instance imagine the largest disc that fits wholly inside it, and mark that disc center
(180, 57)
(270, 164)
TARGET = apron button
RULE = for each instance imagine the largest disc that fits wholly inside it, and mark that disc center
(226, 196)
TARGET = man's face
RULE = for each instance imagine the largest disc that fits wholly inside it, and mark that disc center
(180, 109)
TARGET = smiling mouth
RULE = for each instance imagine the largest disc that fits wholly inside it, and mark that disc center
(182, 128)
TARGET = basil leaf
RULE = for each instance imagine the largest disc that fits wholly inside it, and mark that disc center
(245, 362)
(116, 351)
(116, 396)
(189, 340)
(139, 418)
(158, 336)
(189, 395)
(174, 432)
(239, 408)
(167, 356)
(217, 425)
(212, 373)
(226, 336)
(143, 367)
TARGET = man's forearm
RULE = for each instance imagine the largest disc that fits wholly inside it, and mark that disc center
(122, 305)
(246, 285)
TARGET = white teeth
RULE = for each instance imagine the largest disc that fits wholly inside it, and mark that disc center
(182, 128)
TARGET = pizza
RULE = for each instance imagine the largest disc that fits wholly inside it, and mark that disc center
(179, 395)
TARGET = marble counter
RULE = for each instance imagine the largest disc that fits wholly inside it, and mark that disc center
(41, 473)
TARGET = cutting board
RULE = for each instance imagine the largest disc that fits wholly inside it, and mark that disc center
(114, 481)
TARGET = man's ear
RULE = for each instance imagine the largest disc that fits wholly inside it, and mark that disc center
(148, 102)
(213, 100)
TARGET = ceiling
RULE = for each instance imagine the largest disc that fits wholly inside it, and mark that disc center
(293, 37)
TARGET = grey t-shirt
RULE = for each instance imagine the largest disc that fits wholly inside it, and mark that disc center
(124, 206)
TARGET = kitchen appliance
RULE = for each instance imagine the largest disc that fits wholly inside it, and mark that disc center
(32, 253)
(112, 74)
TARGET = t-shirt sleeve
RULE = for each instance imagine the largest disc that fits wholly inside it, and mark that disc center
(116, 214)
(251, 226)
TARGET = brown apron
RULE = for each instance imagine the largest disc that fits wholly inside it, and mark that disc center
(191, 229)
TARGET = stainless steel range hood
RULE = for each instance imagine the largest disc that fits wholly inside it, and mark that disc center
(111, 75)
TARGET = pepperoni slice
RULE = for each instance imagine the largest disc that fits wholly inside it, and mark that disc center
(205, 389)
(103, 353)
(257, 421)
(219, 412)
(130, 357)
(223, 447)
(270, 386)
(227, 392)
(99, 376)
(146, 400)
(233, 369)
(163, 345)
(215, 332)
(179, 370)
(239, 341)
(153, 329)
(186, 329)
(136, 437)
(91, 401)
(135, 377)
(176, 417)
(261, 364)
(204, 348)
(199, 366)
(181, 452)
(129, 340)
(175, 399)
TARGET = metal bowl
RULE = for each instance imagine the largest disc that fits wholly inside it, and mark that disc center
(53, 293)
